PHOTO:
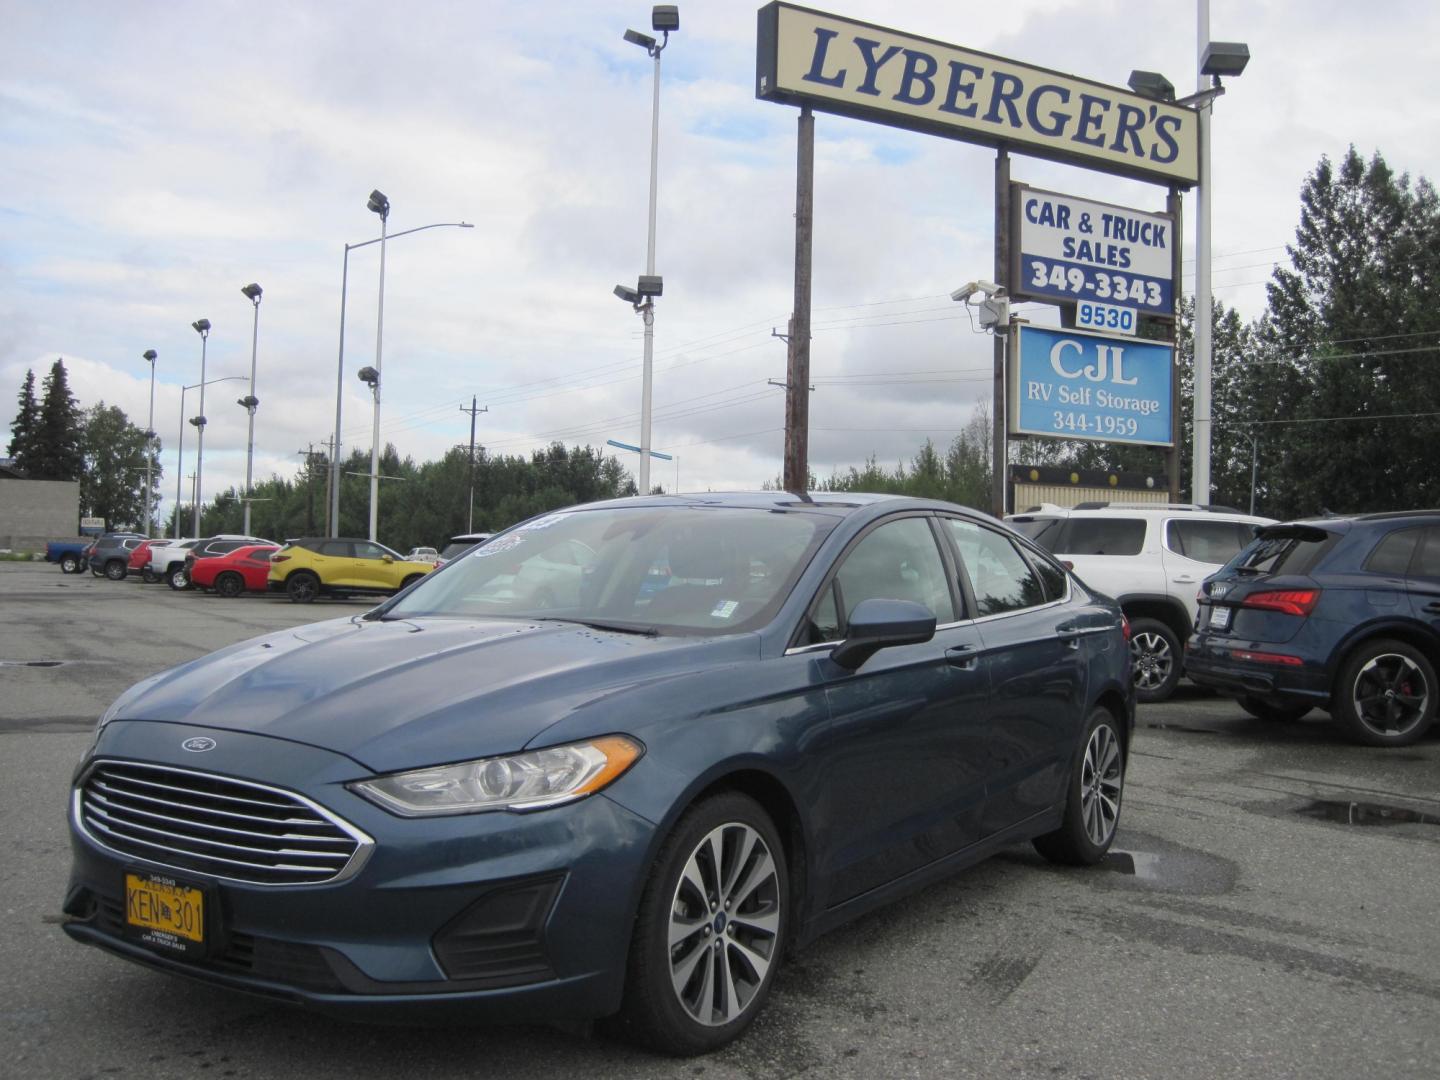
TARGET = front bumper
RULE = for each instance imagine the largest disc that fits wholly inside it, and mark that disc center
(498, 916)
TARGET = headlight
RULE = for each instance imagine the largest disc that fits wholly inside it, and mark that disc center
(527, 781)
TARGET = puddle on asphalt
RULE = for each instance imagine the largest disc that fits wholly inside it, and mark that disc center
(1364, 813)
(1167, 867)
(31, 663)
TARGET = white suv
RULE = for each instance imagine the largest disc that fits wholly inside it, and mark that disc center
(1151, 558)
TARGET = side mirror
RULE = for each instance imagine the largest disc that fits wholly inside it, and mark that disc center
(387, 558)
(880, 624)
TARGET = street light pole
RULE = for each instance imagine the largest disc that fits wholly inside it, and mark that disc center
(380, 205)
(201, 327)
(180, 445)
(151, 355)
(252, 292)
(1200, 451)
(663, 18)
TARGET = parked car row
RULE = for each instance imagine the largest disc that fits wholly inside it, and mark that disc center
(231, 565)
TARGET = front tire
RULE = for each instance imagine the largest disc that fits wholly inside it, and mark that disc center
(710, 930)
(115, 570)
(302, 587)
(1386, 694)
(1154, 659)
(148, 576)
(69, 564)
(1092, 797)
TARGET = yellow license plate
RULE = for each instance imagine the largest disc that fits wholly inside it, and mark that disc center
(165, 908)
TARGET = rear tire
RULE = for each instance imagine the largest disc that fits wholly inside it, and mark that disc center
(710, 930)
(115, 570)
(1092, 798)
(148, 576)
(1155, 659)
(229, 585)
(70, 564)
(302, 587)
(177, 579)
(1280, 714)
(1385, 694)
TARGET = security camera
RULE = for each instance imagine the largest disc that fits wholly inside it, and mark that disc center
(969, 289)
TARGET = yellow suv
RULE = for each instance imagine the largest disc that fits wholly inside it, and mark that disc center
(339, 566)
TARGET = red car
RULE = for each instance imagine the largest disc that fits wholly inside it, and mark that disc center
(140, 559)
(231, 574)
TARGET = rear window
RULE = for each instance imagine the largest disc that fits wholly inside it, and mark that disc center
(1284, 554)
(1040, 530)
(1393, 553)
(1101, 536)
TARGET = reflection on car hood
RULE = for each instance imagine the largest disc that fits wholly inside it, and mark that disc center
(411, 693)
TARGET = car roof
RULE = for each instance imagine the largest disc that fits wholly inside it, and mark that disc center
(831, 504)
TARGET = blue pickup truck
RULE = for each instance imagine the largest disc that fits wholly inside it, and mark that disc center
(72, 555)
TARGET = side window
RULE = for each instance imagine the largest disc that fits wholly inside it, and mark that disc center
(999, 575)
(825, 618)
(897, 561)
(337, 549)
(1052, 577)
(1392, 554)
(226, 545)
(1206, 541)
(364, 550)
(1102, 536)
(1428, 564)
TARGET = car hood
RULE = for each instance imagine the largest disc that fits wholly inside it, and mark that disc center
(419, 692)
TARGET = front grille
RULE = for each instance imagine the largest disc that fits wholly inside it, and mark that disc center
(217, 826)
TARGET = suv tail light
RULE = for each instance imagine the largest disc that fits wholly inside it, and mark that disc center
(1286, 601)
(277, 557)
(1125, 627)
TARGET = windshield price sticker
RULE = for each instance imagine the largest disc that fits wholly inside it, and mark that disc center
(1076, 250)
(1117, 320)
(1069, 384)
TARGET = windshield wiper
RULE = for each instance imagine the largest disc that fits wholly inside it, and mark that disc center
(599, 624)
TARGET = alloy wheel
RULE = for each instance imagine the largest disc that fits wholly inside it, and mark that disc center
(724, 924)
(1101, 781)
(1391, 695)
(1152, 660)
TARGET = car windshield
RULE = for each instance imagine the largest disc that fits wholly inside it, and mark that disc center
(670, 569)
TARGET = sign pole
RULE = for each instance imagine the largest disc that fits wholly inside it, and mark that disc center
(1174, 207)
(797, 375)
(998, 449)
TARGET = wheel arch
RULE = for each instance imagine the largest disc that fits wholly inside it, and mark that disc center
(1165, 609)
(1411, 633)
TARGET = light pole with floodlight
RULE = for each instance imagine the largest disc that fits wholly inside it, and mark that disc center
(150, 355)
(371, 377)
(251, 292)
(378, 204)
(180, 446)
(664, 18)
(201, 327)
(333, 495)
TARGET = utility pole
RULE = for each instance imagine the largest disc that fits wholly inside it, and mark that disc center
(310, 456)
(470, 503)
(797, 373)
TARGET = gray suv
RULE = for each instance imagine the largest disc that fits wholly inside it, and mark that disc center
(111, 554)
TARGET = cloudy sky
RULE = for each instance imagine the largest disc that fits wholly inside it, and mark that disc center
(155, 157)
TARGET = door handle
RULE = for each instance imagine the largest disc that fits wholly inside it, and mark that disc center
(1183, 579)
(962, 657)
(1070, 635)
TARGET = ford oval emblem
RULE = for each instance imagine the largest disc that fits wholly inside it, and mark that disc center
(198, 745)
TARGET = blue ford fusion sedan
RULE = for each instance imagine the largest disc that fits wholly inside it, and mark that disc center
(718, 726)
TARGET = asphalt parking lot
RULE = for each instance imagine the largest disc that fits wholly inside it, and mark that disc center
(1269, 911)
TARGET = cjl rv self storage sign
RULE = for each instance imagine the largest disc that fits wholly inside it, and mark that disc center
(1068, 384)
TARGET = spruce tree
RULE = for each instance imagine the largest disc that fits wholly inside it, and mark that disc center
(58, 435)
(23, 428)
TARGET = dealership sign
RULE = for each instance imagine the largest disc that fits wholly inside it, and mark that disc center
(1093, 254)
(1067, 384)
(837, 65)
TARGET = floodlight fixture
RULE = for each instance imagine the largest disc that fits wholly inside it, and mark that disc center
(665, 18)
(198, 421)
(379, 204)
(629, 295)
(1227, 58)
(252, 292)
(1152, 84)
(650, 285)
(249, 401)
(645, 41)
(369, 376)
(150, 354)
(201, 327)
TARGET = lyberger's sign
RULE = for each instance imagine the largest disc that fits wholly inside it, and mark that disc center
(856, 69)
